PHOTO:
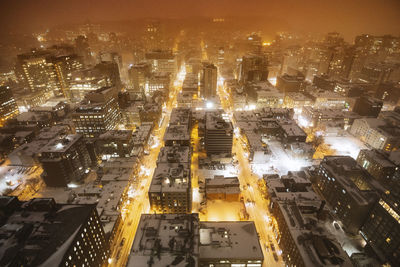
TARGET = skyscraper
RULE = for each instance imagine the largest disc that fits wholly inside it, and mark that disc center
(208, 84)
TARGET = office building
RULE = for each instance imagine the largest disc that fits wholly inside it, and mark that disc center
(367, 106)
(208, 81)
(138, 76)
(377, 133)
(162, 61)
(253, 68)
(170, 190)
(41, 232)
(348, 189)
(65, 160)
(8, 106)
(98, 114)
(218, 134)
(287, 83)
(115, 143)
(381, 229)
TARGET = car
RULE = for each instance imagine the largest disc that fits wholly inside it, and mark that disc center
(336, 225)
(272, 247)
(122, 242)
(275, 256)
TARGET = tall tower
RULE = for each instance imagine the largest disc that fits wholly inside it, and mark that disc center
(208, 86)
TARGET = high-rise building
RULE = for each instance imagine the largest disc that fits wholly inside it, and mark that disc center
(253, 68)
(65, 160)
(368, 106)
(8, 106)
(162, 61)
(153, 35)
(49, 70)
(218, 133)
(98, 114)
(287, 83)
(139, 75)
(82, 48)
(208, 81)
(381, 229)
(41, 232)
(348, 189)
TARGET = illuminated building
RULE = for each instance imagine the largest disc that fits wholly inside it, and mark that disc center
(115, 143)
(38, 71)
(69, 234)
(253, 43)
(222, 188)
(218, 134)
(348, 189)
(100, 113)
(303, 237)
(381, 165)
(208, 81)
(85, 81)
(162, 61)
(328, 117)
(287, 83)
(158, 82)
(170, 190)
(381, 229)
(8, 106)
(297, 100)
(253, 68)
(138, 76)
(326, 99)
(65, 160)
(191, 84)
(377, 133)
(49, 70)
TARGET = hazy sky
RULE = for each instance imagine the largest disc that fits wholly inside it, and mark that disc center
(347, 16)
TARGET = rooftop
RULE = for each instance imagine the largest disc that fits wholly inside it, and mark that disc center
(166, 240)
(229, 240)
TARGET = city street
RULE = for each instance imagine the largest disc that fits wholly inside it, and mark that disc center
(255, 202)
(138, 199)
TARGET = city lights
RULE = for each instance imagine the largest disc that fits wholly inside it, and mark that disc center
(134, 138)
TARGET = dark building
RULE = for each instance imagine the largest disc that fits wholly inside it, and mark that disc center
(348, 189)
(111, 70)
(218, 134)
(367, 106)
(42, 233)
(287, 83)
(324, 82)
(208, 81)
(65, 160)
(253, 68)
(8, 106)
(381, 229)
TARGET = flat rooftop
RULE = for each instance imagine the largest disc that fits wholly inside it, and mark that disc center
(166, 240)
(229, 240)
(171, 177)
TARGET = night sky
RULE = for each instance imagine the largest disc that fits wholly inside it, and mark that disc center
(349, 17)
